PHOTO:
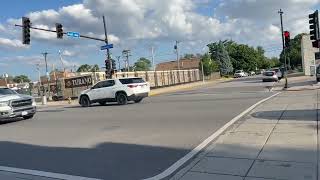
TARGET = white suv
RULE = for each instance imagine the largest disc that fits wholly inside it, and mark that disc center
(115, 90)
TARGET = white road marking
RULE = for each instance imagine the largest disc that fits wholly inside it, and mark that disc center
(44, 174)
(204, 144)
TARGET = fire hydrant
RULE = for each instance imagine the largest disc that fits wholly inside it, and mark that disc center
(69, 100)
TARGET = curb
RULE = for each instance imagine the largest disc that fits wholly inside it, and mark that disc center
(173, 168)
(191, 86)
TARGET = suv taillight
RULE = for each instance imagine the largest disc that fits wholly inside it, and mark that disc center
(132, 86)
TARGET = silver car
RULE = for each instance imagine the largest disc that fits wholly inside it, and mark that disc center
(270, 76)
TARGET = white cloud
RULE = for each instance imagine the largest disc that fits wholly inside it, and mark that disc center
(246, 21)
(2, 28)
(11, 43)
(68, 53)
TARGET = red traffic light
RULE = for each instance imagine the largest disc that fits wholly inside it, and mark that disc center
(287, 34)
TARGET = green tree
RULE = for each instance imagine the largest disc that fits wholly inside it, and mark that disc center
(21, 79)
(143, 64)
(84, 68)
(209, 66)
(293, 52)
(189, 56)
(95, 68)
(221, 55)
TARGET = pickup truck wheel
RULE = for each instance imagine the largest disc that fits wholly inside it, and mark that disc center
(85, 101)
(28, 117)
(122, 99)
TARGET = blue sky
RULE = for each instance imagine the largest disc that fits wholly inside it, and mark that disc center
(137, 25)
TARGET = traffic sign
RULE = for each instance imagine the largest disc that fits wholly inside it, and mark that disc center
(107, 46)
(73, 34)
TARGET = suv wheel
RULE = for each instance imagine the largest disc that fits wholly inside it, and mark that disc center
(138, 100)
(85, 101)
(122, 99)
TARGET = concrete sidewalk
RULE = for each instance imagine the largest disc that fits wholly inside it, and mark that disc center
(278, 140)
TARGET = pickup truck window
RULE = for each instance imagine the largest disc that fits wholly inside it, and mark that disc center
(5, 91)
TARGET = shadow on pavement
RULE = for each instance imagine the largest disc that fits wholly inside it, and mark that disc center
(304, 83)
(98, 105)
(112, 161)
(300, 115)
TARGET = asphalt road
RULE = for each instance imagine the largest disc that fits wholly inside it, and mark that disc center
(125, 142)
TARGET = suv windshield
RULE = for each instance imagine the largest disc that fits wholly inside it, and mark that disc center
(131, 80)
(239, 71)
(5, 91)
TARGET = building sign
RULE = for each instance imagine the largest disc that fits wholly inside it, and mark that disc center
(78, 82)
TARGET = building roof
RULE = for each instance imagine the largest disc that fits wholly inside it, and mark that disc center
(192, 63)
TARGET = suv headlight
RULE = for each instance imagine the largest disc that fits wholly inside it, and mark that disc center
(4, 103)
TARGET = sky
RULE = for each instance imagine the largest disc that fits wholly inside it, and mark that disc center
(139, 25)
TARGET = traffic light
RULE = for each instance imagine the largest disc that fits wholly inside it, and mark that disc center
(26, 24)
(114, 65)
(314, 28)
(286, 39)
(107, 62)
(59, 30)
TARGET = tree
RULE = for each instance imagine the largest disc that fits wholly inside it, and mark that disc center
(189, 56)
(293, 52)
(143, 64)
(21, 79)
(209, 66)
(95, 68)
(84, 68)
(221, 55)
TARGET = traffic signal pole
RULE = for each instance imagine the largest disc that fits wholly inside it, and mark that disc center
(108, 70)
(48, 30)
(284, 50)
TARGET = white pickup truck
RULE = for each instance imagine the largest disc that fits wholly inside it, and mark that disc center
(14, 105)
(115, 90)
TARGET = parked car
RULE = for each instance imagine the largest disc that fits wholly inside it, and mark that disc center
(270, 76)
(252, 73)
(14, 105)
(115, 90)
(278, 71)
(240, 73)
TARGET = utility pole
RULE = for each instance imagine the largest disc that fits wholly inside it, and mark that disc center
(177, 52)
(126, 54)
(284, 49)
(45, 54)
(39, 78)
(108, 71)
(61, 60)
(202, 71)
(152, 55)
(119, 65)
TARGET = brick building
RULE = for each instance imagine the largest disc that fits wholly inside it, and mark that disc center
(192, 63)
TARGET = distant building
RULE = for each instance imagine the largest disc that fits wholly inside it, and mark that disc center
(308, 54)
(192, 63)
(3, 82)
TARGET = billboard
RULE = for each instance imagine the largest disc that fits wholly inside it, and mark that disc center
(81, 81)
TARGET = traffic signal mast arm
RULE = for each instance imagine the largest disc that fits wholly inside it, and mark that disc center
(48, 30)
